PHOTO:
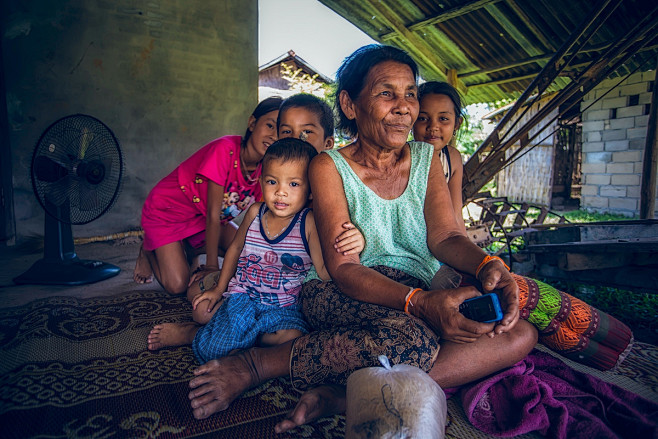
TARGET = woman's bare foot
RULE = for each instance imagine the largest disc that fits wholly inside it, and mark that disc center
(171, 334)
(219, 382)
(143, 273)
(316, 403)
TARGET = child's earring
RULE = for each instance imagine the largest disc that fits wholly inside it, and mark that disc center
(303, 136)
(454, 133)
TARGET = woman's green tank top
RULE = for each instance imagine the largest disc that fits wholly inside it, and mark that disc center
(395, 230)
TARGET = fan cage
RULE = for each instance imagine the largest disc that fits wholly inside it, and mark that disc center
(72, 146)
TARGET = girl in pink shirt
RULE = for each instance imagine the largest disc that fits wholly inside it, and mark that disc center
(188, 211)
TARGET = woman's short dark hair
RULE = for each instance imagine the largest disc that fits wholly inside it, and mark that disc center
(313, 104)
(442, 88)
(289, 149)
(265, 106)
(352, 73)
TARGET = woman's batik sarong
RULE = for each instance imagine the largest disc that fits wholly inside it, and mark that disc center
(349, 335)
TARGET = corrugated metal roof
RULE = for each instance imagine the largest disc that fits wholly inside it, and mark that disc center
(497, 47)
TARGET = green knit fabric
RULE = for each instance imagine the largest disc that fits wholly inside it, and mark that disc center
(548, 307)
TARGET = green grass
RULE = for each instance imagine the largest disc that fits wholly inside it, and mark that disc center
(581, 216)
(578, 216)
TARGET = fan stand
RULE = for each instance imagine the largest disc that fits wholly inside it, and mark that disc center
(60, 264)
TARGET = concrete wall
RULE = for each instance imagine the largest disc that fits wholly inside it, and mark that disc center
(165, 76)
(614, 139)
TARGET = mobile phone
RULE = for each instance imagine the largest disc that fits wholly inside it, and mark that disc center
(485, 308)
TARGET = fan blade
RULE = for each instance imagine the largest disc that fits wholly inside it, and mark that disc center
(58, 192)
(88, 197)
(48, 170)
(86, 138)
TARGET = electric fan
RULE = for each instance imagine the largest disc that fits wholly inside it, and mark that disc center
(76, 174)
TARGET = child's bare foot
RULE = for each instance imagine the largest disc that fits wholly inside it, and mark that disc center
(143, 273)
(314, 404)
(171, 334)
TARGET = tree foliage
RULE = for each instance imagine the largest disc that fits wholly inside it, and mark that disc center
(302, 82)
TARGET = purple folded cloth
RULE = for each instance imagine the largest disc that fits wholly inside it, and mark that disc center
(541, 393)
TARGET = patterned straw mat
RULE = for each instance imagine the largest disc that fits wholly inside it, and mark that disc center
(72, 368)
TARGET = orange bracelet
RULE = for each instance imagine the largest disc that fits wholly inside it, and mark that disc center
(486, 260)
(407, 300)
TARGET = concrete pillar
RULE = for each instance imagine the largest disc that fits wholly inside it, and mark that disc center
(165, 76)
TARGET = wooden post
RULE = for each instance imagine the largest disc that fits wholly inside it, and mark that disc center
(452, 79)
(650, 163)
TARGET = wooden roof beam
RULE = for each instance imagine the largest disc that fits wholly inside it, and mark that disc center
(457, 11)
(474, 177)
(522, 62)
(574, 92)
(477, 174)
(504, 80)
(568, 71)
(513, 31)
(421, 50)
(537, 59)
(582, 35)
(531, 26)
(508, 66)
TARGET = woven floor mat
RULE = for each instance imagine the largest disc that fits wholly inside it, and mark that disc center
(80, 368)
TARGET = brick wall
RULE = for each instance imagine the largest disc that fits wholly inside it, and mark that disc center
(614, 138)
(165, 76)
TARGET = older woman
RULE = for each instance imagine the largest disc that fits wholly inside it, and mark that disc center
(380, 303)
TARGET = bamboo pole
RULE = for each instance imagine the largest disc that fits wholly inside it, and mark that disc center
(650, 162)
